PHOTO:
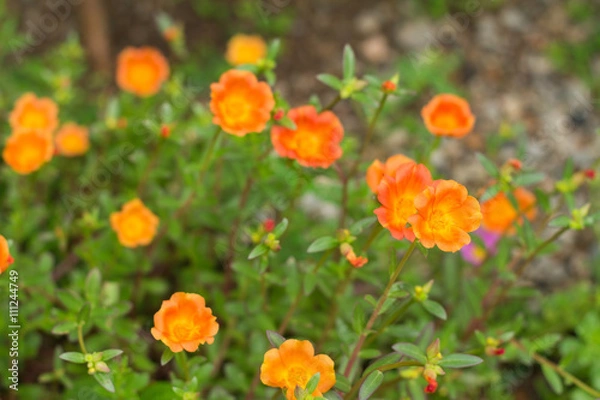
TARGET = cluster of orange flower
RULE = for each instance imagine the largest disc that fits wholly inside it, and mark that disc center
(412, 204)
(33, 142)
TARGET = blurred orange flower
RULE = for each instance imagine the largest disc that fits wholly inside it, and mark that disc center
(445, 215)
(135, 224)
(293, 364)
(377, 170)
(72, 140)
(5, 258)
(348, 252)
(31, 112)
(27, 150)
(245, 49)
(396, 195)
(184, 322)
(316, 140)
(448, 115)
(240, 103)
(141, 70)
(499, 214)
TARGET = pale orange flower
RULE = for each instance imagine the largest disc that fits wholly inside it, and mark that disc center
(396, 195)
(31, 112)
(448, 115)
(72, 140)
(5, 258)
(184, 323)
(316, 140)
(293, 364)
(135, 224)
(27, 150)
(240, 103)
(141, 71)
(377, 170)
(445, 215)
(245, 49)
(499, 214)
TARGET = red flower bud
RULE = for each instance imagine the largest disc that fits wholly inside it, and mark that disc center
(516, 164)
(165, 131)
(10, 260)
(432, 386)
(388, 86)
(589, 173)
(499, 352)
(278, 114)
(269, 225)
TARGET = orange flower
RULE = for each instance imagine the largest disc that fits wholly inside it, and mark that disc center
(5, 258)
(72, 140)
(377, 170)
(141, 71)
(31, 112)
(184, 322)
(445, 215)
(240, 103)
(499, 214)
(396, 195)
(448, 115)
(293, 364)
(316, 140)
(135, 224)
(27, 150)
(245, 49)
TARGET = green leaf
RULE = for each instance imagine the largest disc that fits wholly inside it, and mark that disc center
(358, 320)
(435, 309)
(388, 359)
(489, 193)
(410, 350)
(70, 299)
(459, 361)
(287, 123)
(92, 285)
(529, 178)
(275, 339)
(322, 244)
(361, 224)
(73, 356)
(349, 62)
(105, 380)
(166, 356)
(330, 81)
(258, 251)
(280, 228)
(312, 384)
(370, 385)
(273, 50)
(560, 222)
(64, 327)
(310, 281)
(554, 380)
(84, 314)
(332, 395)
(489, 166)
(110, 354)
(342, 383)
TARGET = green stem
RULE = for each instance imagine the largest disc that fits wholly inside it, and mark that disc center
(183, 364)
(390, 320)
(332, 104)
(566, 375)
(377, 309)
(80, 338)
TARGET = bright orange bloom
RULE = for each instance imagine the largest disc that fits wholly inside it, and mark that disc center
(448, 115)
(31, 112)
(142, 70)
(135, 224)
(27, 150)
(5, 258)
(184, 322)
(72, 140)
(293, 364)
(245, 49)
(445, 215)
(240, 103)
(499, 215)
(316, 140)
(397, 194)
(377, 170)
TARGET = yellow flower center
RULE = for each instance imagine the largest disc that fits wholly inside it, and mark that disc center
(32, 153)
(297, 376)
(446, 121)
(143, 74)
(33, 118)
(439, 221)
(134, 226)
(72, 143)
(403, 208)
(184, 331)
(235, 109)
